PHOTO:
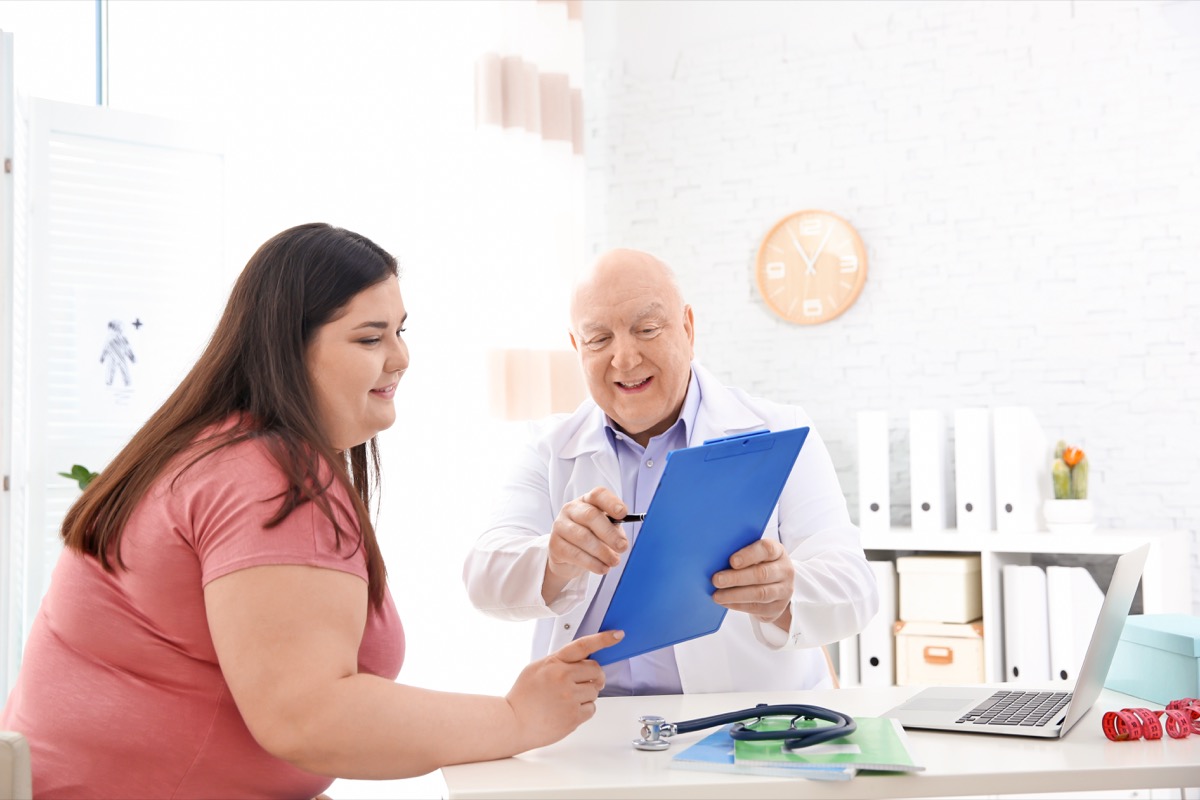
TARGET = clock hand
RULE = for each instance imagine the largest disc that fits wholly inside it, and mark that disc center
(821, 247)
(800, 250)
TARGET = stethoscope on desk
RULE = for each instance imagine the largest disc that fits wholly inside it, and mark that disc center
(655, 729)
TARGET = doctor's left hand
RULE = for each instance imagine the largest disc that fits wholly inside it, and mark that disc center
(759, 582)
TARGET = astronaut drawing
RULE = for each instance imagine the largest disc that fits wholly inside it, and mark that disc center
(117, 354)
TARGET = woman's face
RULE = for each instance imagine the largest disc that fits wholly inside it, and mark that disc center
(354, 363)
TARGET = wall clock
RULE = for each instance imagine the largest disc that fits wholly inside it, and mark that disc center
(811, 267)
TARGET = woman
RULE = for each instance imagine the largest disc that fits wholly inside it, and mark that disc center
(219, 623)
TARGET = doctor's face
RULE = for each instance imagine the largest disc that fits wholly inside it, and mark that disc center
(634, 336)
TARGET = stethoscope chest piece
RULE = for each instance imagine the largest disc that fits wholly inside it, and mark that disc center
(653, 729)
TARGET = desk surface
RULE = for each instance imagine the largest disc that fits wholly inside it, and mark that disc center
(599, 761)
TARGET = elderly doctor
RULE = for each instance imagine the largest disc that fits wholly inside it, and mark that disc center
(551, 553)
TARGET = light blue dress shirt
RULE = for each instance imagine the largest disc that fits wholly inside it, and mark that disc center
(641, 469)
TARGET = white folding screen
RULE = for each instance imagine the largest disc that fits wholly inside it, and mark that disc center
(124, 278)
(13, 365)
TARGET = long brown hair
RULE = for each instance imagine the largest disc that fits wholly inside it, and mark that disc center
(254, 370)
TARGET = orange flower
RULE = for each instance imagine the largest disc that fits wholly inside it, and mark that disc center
(1072, 456)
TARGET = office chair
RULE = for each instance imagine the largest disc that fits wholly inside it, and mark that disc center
(16, 782)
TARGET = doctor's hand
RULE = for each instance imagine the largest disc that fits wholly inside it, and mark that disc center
(583, 540)
(759, 583)
(554, 695)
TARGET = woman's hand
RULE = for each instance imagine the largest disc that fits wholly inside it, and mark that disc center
(554, 695)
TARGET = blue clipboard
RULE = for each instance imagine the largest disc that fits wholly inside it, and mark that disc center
(712, 501)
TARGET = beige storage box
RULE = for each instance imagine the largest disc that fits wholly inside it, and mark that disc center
(939, 588)
(938, 653)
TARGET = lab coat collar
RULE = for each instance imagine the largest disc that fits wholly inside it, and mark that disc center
(722, 412)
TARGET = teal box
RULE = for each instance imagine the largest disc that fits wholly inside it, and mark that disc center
(1158, 658)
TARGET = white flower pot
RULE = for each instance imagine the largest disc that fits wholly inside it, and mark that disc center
(1069, 516)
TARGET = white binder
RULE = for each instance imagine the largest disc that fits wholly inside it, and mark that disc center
(874, 472)
(1074, 601)
(1026, 624)
(974, 484)
(1022, 460)
(877, 642)
(848, 662)
(929, 473)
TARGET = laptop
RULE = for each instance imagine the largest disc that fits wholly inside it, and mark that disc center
(1016, 711)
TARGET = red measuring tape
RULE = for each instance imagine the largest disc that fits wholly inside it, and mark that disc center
(1181, 719)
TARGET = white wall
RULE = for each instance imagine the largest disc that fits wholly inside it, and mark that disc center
(1026, 177)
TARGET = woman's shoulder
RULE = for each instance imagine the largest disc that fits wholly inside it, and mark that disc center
(239, 459)
(222, 454)
(237, 508)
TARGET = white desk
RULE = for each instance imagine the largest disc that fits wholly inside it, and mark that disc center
(599, 761)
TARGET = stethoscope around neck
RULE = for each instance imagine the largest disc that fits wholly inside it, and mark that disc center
(656, 730)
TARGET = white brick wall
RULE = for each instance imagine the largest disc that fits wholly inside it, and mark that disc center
(1026, 177)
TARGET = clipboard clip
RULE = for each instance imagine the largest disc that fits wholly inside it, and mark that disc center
(735, 437)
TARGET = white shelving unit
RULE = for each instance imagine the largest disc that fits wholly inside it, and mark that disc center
(1166, 580)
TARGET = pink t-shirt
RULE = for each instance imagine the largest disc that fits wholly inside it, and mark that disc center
(120, 694)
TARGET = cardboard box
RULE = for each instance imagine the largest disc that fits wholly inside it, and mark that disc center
(938, 653)
(1158, 658)
(940, 588)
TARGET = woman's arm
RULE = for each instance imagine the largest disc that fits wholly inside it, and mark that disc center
(287, 640)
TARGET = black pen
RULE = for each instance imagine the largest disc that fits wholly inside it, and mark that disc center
(627, 518)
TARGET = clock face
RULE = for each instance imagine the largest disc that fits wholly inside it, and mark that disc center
(811, 266)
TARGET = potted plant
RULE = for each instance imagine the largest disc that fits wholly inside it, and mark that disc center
(81, 475)
(1070, 510)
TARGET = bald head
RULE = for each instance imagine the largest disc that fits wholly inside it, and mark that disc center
(634, 336)
(628, 271)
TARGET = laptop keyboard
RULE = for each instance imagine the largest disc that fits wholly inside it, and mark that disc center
(1026, 709)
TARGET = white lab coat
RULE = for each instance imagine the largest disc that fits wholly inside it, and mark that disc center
(834, 594)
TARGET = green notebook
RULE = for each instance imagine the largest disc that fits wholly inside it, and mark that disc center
(714, 753)
(878, 745)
